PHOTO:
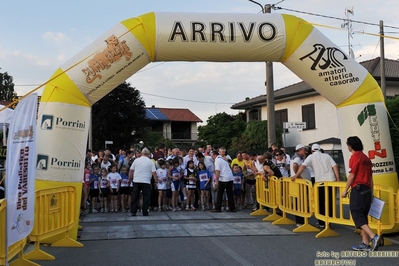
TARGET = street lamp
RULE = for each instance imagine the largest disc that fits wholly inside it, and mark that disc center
(271, 117)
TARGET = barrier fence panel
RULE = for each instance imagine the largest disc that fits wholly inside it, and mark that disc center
(266, 195)
(296, 197)
(14, 249)
(54, 215)
(261, 197)
(397, 207)
(337, 209)
(3, 232)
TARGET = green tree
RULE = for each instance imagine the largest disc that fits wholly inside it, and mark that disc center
(221, 128)
(6, 87)
(255, 137)
(120, 117)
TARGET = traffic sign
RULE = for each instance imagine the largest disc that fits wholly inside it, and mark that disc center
(299, 125)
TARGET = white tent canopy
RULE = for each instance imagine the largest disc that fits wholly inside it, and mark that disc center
(5, 115)
(5, 119)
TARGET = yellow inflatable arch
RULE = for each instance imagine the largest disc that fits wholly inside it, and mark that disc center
(64, 111)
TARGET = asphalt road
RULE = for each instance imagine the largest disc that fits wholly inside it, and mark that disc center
(276, 245)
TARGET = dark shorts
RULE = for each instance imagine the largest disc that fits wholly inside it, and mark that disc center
(130, 190)
(169, 193)
(124, 190)
(104, 192)
(94, 193)
(175, 185)
(250, 181)
(237, 192)
(360, 202)
(114, 192)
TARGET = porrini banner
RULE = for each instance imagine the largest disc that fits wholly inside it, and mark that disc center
(20, 169)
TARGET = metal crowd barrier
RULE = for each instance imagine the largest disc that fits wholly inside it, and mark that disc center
(54, 215)
(301, 198)
(296, 198)
(340, 208)
(14, 249)
(266, 197)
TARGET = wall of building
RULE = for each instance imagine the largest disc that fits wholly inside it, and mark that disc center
(325, 116)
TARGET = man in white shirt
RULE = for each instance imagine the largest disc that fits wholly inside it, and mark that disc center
(224, 181)
(141, 172)
(325, 169)
(296, 161)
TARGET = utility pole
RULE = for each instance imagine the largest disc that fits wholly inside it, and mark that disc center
(271, 116)
(382, 60)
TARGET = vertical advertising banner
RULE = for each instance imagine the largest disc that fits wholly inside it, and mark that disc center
(66, 126)
(369, 122)
(20, 167)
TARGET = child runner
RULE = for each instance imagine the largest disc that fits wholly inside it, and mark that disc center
(114, 179)
(94, 191)
(174, 173)
(205, 181)
(86, 186)
(124, 188)
(162, 174)
(104, 190)
(168, 188)
(214, 191)
(237, 181)
(190, 177)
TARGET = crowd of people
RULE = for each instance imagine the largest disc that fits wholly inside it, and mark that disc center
(209, 179)
(204, 178)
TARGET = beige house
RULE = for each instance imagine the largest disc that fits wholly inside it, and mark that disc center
(301, 103)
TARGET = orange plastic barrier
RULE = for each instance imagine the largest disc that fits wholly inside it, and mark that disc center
(340, 208)
(14, 249)
(54, 215)
(266, 195)
(296, 198)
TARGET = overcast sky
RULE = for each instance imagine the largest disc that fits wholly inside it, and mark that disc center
(39, 36)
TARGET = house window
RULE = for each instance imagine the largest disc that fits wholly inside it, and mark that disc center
(281, 117)
(308, 116)
(254, 115)
(181, 130)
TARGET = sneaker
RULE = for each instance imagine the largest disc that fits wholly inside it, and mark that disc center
(192, 208)
(227, 208)
(375, 242)
(320, 225)
(159, 209)
(187, 208)
(102, 210)
(362, 247)
(203, 208)
(174, 209)
(178, 209)
(94, 211)
(106, 210)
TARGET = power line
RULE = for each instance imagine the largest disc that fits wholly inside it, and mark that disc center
(177, 99)
(331, 17)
